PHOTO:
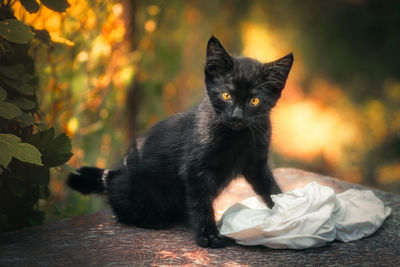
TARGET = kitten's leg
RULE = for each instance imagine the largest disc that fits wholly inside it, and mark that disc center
(261, 179)
(201, 191)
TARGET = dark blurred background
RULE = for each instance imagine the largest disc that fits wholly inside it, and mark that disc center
(121, 66)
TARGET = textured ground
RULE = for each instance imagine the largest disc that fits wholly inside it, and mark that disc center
(97, 240)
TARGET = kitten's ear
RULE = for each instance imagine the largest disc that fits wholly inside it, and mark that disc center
(278, 71)
(218, 61)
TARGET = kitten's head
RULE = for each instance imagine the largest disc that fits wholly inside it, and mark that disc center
(243, 90)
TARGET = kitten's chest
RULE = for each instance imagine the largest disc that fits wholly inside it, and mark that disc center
(229, 153)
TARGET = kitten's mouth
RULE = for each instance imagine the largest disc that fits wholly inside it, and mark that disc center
(236, 125)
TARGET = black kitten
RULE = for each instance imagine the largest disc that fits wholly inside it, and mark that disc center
(175, 171)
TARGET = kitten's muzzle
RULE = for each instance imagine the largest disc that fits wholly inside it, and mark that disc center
(236, 123)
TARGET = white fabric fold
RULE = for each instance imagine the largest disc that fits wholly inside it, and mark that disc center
(305, 217)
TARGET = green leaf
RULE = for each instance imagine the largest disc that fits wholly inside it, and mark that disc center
(11, 83)
(41, 139)
(56, 5)
(15, 31)
(28, 153)
(22, 88)
(24, 103)
(30, 5)
(26, 89)
(27, 77)
(43, 36)
(25, 120)
(58, 151)
(9, 72)
(55, 151)
(3, 94)
(18, 68)
(5, 156)
(10, 145)
(9, 110)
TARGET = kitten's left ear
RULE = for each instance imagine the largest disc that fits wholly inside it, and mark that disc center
(218, 61)
(278, 71)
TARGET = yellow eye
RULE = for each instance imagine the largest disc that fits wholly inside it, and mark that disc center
(254, 101)
(226, 96)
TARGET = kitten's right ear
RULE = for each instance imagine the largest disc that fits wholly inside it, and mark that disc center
(218, 61)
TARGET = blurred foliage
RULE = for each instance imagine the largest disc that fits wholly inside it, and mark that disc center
(28, 148)
(111, 69)
(83, 70)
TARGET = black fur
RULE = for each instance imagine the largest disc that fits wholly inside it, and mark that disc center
(173, 173)
(87, 181)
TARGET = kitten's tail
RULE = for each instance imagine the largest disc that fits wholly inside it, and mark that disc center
(88, 180)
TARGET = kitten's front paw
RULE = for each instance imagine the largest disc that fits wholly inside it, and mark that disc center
(268, 201)
(213, 240)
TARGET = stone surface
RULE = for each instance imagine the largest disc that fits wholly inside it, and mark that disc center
(97, 240)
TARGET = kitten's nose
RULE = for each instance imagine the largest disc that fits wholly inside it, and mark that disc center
(237, 113)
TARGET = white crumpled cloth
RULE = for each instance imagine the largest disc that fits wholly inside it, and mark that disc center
(305, 217)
